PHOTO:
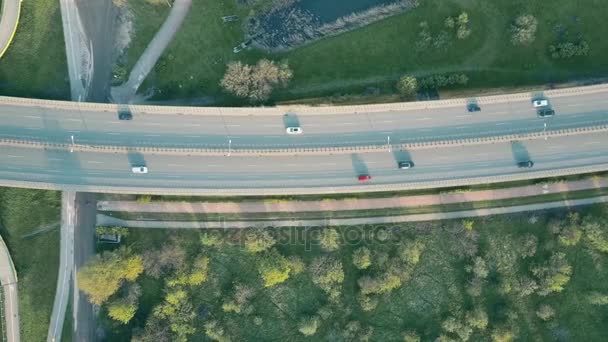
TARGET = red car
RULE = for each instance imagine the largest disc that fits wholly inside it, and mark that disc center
(363, 178)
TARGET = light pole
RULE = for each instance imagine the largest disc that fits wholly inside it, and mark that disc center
(545, 130)
(229, 147)
(72, 146)
(388, 143)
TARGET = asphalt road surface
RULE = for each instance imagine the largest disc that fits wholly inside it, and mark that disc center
(320, 130)
(306, 171)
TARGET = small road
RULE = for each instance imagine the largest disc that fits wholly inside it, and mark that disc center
(111, 221)
(412, 201)
(78, 50)
(125, 92)
(66, 265)
(84, 248)
(8, 279)
(8, 23)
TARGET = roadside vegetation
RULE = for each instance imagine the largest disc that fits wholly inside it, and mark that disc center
(478, 44)
(29, 222)
(535, 276)
(35, 64)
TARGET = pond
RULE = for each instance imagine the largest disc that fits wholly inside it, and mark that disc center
(290, 24)
(330, 10)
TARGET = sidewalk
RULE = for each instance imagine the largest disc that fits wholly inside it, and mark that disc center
(111, 221)
(351, 204)
(8, 278)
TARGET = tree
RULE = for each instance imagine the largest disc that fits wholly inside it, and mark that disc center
(123, 309)
(362, 258)
(195, 275)
(329, 240)
(480, 268)
(407, 86)
(238, 304)
(178, 311)
(367, 303)
(211, 239)
(545, 312)
(273, 268)
(327, 273)
(411, 336)
(255, 82)
(596, 298)
(308, 326)
(103, 275)
(477, 319)
(463, 31)
(379, 285)
(296, 264)
(524, 30)
(171, 257)
(215, 332)
(410, 252)
(502, 335)
(595, 234)
(452, 325)
(258, 240)
(154, 331)
(553, 275)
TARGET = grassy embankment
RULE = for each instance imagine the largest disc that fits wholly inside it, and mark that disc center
(36, 257)
(34, 64)
(376, 55)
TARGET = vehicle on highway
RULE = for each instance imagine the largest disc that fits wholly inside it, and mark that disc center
(293, 130)
(473, 107)
(139, 169)
(405, 165)
(364, 178)
(525, 164)
(545, 112)
(124, 115)
(540, 103)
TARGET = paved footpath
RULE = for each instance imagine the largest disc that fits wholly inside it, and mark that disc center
(8, 278)
(352, 204)
(107, 221)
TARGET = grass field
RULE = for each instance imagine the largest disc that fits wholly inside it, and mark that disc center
(437, 287)
(34, 64)
(36, 258)
(376, 55)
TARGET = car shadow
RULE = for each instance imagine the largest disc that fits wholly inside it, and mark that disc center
(359, 165)
(520, 152)
(291, 120)
(136, 158)
(401, 156)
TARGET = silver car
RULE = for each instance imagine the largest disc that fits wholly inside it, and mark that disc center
(139, 169)
(294, 130)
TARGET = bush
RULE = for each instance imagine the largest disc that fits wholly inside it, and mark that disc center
(329, 239)
(407, 86)
(328, 274)
(255, 82)
(309, 326)
(273, 268)
(362, 258)
(568, 50)
(524, 30)
(258, 240)
(596, 298)
(545, 312)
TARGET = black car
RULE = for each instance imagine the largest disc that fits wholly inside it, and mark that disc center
(404, 165)
(525, 164)
(124, 115)
(545, 113)
(473, 107)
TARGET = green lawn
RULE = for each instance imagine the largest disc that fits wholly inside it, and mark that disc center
(378, 54)
(34, 64)
(36, 258)
(436, 288)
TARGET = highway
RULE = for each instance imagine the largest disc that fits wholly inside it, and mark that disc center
(179, 172)
(246, 128)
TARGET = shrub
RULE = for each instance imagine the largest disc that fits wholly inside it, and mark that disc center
(568, 50)
(362, 258)
(410, 336)
(308, 326)
(596, 298)
(258, 240)
(329, 239)
(328, 274)
(407, 86)
(273, 268)
(524, 30)
(255, 82)
(144, 199)
(545, 312)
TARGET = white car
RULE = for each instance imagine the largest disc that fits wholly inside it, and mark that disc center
(540, 103)
(294, 130)
(139, 169)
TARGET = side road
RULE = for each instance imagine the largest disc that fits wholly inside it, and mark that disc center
(351, 204)
(111, 221)
(8, 23)
(8, 278)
